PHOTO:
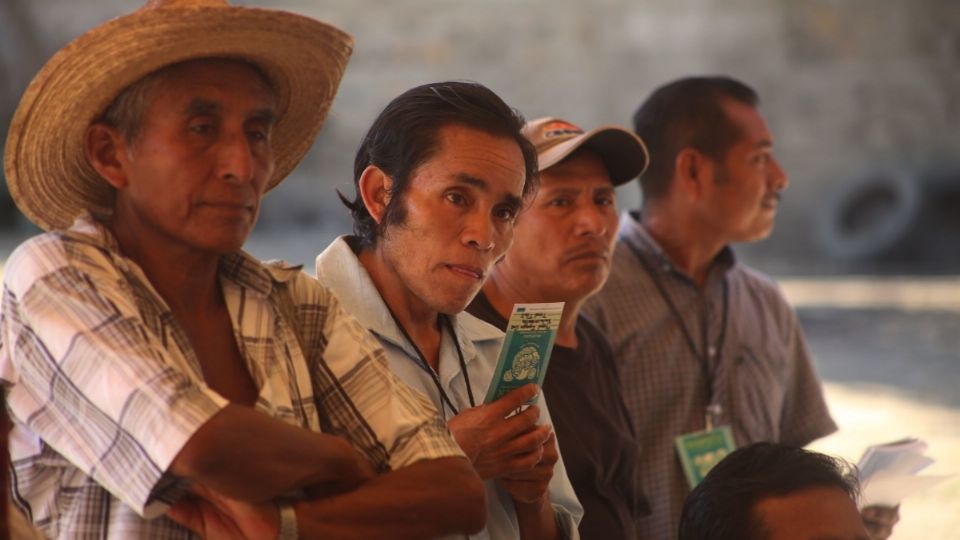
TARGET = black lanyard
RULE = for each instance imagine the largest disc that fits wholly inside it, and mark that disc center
(424, 365)
(702, 358)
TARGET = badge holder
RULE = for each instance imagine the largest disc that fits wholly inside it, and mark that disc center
(701, 450)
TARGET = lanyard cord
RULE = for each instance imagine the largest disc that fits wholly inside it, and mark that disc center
(702, 358)
(421, 361)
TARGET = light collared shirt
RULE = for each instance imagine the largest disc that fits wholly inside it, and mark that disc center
(339, 269)
(762, 374)
(105, 388)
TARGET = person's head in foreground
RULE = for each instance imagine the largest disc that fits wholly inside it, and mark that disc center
(440, 178)
(563, 239)
(712, 160)
(770, 491)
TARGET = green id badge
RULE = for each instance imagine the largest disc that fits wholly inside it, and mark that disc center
(701, 450)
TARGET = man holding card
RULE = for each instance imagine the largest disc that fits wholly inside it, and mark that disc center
(440, 178)
(562, 250)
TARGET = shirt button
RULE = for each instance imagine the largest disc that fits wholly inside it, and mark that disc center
(711, 351)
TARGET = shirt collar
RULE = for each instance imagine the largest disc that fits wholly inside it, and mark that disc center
(340, 270)
(631, 229)
(239, 267)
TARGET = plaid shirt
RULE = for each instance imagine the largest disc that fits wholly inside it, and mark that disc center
(762, 374)
(105, 389)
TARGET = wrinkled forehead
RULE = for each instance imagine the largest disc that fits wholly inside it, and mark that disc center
(203, 70)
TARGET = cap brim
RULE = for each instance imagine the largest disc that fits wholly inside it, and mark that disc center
(624, 154)
(47, 174)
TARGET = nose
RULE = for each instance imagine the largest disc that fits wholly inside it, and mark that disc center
(479, 231)
(777, 178)
(236, 159)
(591, 221)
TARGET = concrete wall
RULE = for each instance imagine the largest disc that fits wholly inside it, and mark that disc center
(849, 87)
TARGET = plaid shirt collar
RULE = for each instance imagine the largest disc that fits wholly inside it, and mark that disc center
(239, 267)
(632, 230)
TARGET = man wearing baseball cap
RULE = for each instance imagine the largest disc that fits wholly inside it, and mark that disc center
(563, 242)
(145, 355)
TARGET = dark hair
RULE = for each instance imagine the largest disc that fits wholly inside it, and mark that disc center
(721, 506)
(687, 113)
(404, 136)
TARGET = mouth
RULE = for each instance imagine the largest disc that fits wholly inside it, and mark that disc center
(467, 271)
(229, 207)
(588, 254)
(770, 202)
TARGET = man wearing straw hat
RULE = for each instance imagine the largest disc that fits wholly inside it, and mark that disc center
(144, 354)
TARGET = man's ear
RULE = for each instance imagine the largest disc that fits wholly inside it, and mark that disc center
(692, 168)
(106, 149)
(375, 186)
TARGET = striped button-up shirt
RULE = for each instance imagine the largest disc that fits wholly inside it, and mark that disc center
(104, 388)
(754, 353)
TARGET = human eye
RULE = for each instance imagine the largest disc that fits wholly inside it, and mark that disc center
(506, 213)
(456, 198)
(258, 135)
(761, 159)
(258, 131)
(605, 200)
(560, 202)
(201, 128)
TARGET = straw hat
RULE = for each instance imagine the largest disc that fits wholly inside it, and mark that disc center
(624, 154)
(47, 174)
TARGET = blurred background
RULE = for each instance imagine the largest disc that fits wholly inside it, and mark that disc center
(862, 96)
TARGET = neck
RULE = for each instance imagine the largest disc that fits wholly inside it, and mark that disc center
(420, 321)
(502, 292)
(692, 249)
(185, 278)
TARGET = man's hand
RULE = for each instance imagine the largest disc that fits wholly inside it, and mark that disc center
(215, 517)
(879, 520)
(531, 486)
(499, 446)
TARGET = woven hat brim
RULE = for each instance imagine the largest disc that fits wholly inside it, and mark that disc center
(47, 174)
(624, 153)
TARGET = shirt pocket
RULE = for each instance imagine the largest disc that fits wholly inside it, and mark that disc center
(758, 392)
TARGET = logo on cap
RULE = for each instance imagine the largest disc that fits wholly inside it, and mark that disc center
(560, 129)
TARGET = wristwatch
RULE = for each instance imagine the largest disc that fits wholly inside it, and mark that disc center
(288, 522)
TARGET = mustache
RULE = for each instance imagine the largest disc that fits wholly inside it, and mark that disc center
(588, 249)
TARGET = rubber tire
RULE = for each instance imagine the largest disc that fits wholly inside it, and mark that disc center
(871, 216)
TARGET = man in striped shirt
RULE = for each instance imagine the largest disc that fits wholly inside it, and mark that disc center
(149, 362)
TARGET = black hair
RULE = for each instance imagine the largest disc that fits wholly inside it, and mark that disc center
(404, 136)
(687, 113)
(721, 506)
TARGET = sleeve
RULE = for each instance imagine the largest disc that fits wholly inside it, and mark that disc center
(92, 381)
(566, 506)
(359, 398)
(804, 416)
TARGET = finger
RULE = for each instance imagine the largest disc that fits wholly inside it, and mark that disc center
(514, 400)
(530, 441)
(518, 424)
(187, 512)
(519, 463)
(550, 453)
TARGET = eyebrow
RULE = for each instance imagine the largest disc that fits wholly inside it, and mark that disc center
(199, 107)
(482, 185)
(764, 143)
